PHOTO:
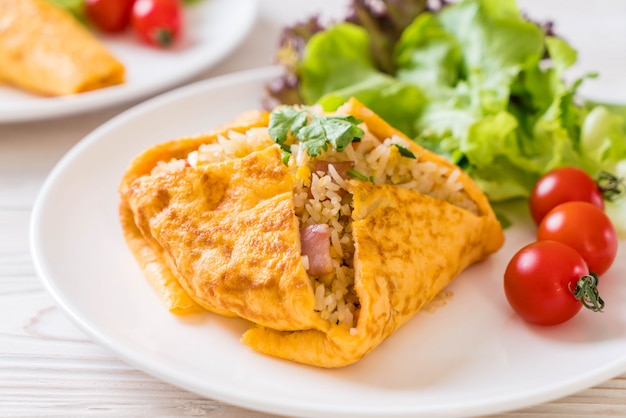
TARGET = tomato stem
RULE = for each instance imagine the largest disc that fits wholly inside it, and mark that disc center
(611, 187)
(164, 37)
(587, 292)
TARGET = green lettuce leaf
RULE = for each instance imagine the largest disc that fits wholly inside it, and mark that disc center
(477, 82)
(337, 65)
(496, 41)
(602, 140)
(335, 58)
(506, 119)
(603, 147)
(428, 56)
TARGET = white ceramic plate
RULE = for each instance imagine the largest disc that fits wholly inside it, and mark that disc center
(472, 356)
(214, 28)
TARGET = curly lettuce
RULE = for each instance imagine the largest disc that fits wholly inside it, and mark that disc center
(475, 81)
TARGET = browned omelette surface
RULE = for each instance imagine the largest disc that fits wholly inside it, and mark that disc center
(45, 50)
(406, 253)
(150, 255)
(224, 237)
(232, 236)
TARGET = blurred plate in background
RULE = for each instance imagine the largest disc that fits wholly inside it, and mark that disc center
(214, 28)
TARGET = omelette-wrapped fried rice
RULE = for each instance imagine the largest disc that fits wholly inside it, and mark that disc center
(45, 50)
(327, 255)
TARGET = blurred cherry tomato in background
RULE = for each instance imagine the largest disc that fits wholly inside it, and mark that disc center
(541, 280)
(585, 228)
(564, 184)
(109, 15)
(157, 22)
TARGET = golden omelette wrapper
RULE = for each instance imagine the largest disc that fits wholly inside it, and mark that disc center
(45, 50)
(150, 255)
(225, 237)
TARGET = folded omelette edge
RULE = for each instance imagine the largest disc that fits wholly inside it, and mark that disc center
(407, 248)
(148, 254)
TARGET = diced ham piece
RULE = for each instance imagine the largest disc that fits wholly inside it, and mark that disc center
(316, 246)
(342, 167)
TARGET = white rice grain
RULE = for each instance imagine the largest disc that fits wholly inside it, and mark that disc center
(323, 198)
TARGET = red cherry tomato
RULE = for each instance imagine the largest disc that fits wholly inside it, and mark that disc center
(541, 280)
(585, 228)
(564, 184)
(109, 15)
(157, 22)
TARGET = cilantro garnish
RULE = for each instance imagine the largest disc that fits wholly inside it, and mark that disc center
(314, 131)
(404, 151)
(284, 120)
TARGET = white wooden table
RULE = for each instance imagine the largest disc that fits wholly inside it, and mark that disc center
(50, 368)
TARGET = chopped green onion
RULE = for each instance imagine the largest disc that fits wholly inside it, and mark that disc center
(359, 176)
(404, 151)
